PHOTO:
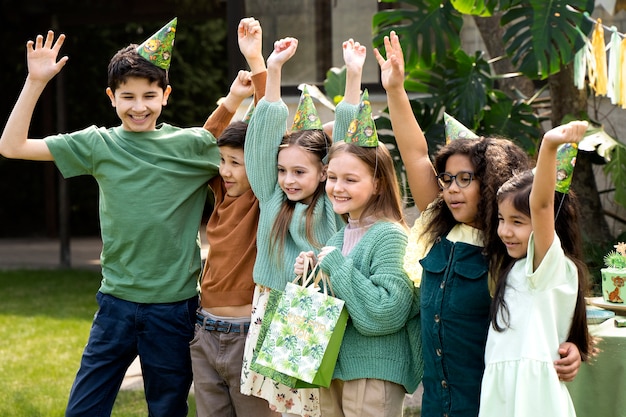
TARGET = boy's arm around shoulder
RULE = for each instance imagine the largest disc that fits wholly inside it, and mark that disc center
(42, 67)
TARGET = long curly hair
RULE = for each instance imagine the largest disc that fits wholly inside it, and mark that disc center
(494, 160)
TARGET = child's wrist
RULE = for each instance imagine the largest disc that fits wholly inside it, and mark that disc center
(232, 101)
(395, 90)
(354, 70)
(256, 64)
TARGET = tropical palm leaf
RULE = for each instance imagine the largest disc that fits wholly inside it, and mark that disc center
(291, 342)
(461, 82)
(541, 35)
(317, 351)
(335, 83)
(427, 30)
(469, 81)
(512, 119)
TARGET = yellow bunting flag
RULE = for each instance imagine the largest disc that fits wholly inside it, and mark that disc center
(599, 55)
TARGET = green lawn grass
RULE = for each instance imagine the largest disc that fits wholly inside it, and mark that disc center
(45, 317)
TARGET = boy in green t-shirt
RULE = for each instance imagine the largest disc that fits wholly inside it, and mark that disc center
(152, 188)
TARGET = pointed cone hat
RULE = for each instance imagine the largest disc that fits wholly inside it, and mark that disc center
(158, 48)
(455, 129)
(565, 162)
(362, 130)
(306, 117)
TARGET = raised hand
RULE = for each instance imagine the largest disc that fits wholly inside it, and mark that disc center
(42, 57)
(354, 55)
(242, 85)
(571, 132)
(392, 68)
(250, 39)
(284, 49)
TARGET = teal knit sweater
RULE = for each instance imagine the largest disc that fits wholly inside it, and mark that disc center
(265, 132)
(382, 338)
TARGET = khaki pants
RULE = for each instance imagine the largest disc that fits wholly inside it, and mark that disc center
(362, 398)
(216, 359)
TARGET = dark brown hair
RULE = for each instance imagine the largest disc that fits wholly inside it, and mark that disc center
(234, 136)
(494, 161)
(127, 63)
(567, 226)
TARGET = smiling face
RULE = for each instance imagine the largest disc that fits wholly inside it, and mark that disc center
(514, 228)
(233, 171)
(350, 184)
(138, 103)
(299, 173)
(462, 202)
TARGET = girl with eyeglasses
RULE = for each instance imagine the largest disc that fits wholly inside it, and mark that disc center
(450, 246)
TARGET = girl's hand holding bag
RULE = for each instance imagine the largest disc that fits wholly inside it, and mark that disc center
(304, 333)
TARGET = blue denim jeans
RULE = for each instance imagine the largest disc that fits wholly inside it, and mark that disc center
(121, 330)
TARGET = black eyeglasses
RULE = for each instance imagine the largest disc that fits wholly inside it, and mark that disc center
(463, 179)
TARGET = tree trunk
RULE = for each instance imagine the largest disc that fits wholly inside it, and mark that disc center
(492, 34)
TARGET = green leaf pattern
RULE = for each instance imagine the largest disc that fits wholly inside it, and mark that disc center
(300, 331)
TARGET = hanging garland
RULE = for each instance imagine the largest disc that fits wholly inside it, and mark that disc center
(605, 77)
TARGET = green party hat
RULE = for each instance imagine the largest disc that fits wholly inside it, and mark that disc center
(306, 117)
(158, 48)
(455, 129)
(248, 116)
(362, 130)
(565, 161)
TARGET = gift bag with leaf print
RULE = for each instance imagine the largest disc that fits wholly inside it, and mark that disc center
(287, 380)
(305, 333)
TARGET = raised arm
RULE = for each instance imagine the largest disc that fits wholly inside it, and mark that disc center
(268, 125)
(354, 57)
(42, 67)
(222, 115)
(284, 49)
(250, 39)
(542, 193)
(409, 136)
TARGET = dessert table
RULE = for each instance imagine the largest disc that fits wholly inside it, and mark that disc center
(599, 389)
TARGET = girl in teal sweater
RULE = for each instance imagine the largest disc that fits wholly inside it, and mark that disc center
(295, 214)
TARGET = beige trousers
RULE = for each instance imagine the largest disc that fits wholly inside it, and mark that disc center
(362, 398)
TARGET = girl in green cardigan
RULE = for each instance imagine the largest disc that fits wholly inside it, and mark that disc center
(380, 357)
